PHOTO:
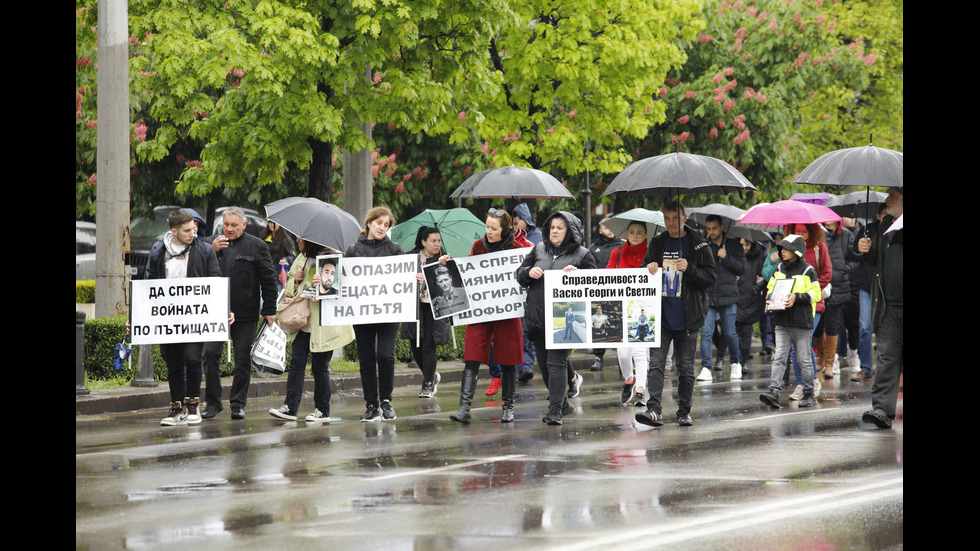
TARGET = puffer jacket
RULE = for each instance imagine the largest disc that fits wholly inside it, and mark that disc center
(546, 256)
(374, 247)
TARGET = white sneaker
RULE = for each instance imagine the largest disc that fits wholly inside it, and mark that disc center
(318, 417)
(435, 383)
(836, 364)
(797, 393)
(853, 361)
(817, 387)
(283, 412)
(736, 371)
(705, 374)
(176, 416)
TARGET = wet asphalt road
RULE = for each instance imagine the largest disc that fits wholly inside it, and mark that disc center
(743, 477)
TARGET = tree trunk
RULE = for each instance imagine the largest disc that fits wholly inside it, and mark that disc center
(320, 185)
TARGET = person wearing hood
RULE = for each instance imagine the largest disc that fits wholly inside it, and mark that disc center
(561, 251)
(376, 341)
(634, 360)
(793, 318)
(690, 270)
(504, 335)
(180, 255)
(602, 249)
(524, 221)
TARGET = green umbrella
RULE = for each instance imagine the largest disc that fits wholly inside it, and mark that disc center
(457, 227)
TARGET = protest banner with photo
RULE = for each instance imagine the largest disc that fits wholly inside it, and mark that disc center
(179, 310)
(491, 286)
(374, 290)
(269, 348)
(330, 270)
(602, 308)
(444, 284)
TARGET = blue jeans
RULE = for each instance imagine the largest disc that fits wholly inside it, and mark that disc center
(809, 352)
(864, 338)
(727, 314)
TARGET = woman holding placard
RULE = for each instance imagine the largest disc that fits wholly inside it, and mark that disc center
(317, 340)
(376, 341)
(426, 333)
(505, 335)
(562, 250)
(633, 361)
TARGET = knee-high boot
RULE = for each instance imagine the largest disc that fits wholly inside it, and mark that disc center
(466, 391)
(508, 385)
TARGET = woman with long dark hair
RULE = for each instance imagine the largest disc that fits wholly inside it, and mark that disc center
(317, 340)
(635, 360)
(376, 341)
(426, 333)
(505, 335)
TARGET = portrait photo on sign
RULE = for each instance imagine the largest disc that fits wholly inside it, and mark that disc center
(640, 321)
(570, 323)
(329, 268)
(447, 295)
(607, 321)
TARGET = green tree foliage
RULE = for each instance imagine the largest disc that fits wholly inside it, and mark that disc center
(748, 75)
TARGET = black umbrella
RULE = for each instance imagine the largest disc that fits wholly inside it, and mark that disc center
(856, 203)
(678, 173)
(867, 166)
(313, 220)
(512, 182)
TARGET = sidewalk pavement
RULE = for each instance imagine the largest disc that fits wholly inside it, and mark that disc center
(133, 398)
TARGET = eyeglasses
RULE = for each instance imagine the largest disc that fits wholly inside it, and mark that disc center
(499, 213)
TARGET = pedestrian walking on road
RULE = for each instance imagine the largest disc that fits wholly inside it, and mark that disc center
(246, 261)
(180, 255)
(793, 317)
(376, 341)
(426, 333)
(561, 250)
(686, 256)
(319, 342)
(505, 335)
(634, 360)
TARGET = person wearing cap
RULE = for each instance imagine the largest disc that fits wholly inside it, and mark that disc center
(793, 318)
(886, 253)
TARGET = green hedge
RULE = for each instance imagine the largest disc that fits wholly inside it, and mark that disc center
(84, 291)
(403, 350)
(101, 337)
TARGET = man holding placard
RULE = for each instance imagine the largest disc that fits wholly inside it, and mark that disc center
(180, 255)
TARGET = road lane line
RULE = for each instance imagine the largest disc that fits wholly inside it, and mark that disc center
(464, 465)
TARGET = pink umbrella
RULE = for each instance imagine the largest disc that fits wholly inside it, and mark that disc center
(788, 212)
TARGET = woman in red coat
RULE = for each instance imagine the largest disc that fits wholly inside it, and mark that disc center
(818, 256)
(505, 335)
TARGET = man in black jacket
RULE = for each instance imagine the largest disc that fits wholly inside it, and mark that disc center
(729, 260)
(687, 255)
(180, 255)
(246, 260)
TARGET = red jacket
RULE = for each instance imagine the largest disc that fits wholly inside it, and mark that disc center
(628, 256)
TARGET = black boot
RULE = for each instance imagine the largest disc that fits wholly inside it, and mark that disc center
(508, 386)
(466, 391)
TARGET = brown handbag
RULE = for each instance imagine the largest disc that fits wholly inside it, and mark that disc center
(294, 314)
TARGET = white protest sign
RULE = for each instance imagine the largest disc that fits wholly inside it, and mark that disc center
(616, 308)
(492, 288)
(269, 348)
(179, 310)
(374, 290)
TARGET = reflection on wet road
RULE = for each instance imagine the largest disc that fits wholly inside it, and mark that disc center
(742, 477)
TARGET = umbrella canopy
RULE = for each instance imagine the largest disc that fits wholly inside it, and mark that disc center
(654, 220)
(678, 173)
(457, 227)
(789, 212)
(815, 198)
(857, 203)
(512, 182)
(313, 220)
(856, 166)
(729, 215)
